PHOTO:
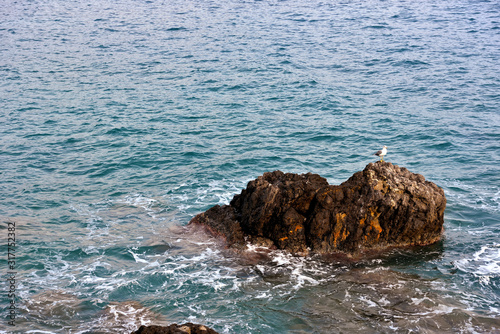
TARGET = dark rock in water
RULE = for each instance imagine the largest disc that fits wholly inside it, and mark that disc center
(187, 328)
(383, 206)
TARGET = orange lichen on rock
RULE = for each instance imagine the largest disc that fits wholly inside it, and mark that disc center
(373, 229)
(379, 186)
(339, 231)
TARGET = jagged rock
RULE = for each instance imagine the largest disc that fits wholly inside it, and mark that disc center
(382, 206)
(187, 328)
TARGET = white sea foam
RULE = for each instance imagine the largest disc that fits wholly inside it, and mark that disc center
(442, 309)
(122, 317)
(212, 192)
(297, 271)
(138, 200)
(150, 206)
(206, 193)
(484, 264)
(205, 269)
(137, 258)
(264, 295)
(491, 255)
(368, 302)
(418, 301)
(383, 301)
(181, 202)
(476, 197)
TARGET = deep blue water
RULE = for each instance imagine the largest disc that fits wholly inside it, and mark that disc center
(121, 120)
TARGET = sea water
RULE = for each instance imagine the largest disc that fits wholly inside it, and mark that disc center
(121, 120)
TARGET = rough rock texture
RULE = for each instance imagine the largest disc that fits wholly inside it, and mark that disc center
(382, 206)
(187, 328)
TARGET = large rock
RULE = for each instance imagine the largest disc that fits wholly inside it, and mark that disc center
(187, 328)
(382, 206)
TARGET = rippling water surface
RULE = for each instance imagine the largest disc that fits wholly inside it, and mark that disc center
(121, 120)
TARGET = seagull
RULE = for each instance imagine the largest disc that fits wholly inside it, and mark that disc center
(381, 153)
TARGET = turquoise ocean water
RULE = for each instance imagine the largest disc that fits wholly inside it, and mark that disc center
(121, 120)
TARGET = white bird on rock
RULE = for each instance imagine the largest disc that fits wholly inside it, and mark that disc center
(381, 153)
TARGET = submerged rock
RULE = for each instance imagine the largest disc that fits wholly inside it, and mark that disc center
(187, 328)
(382, 206)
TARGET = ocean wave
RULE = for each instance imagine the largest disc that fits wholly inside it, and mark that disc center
(123, 317)
(484, 264)
(196, 277)
(207, 193)
(64, 308)
(128, 250)
(485, 198)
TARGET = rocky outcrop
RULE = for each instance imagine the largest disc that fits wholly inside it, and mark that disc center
(382, 206)
(187, 328)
